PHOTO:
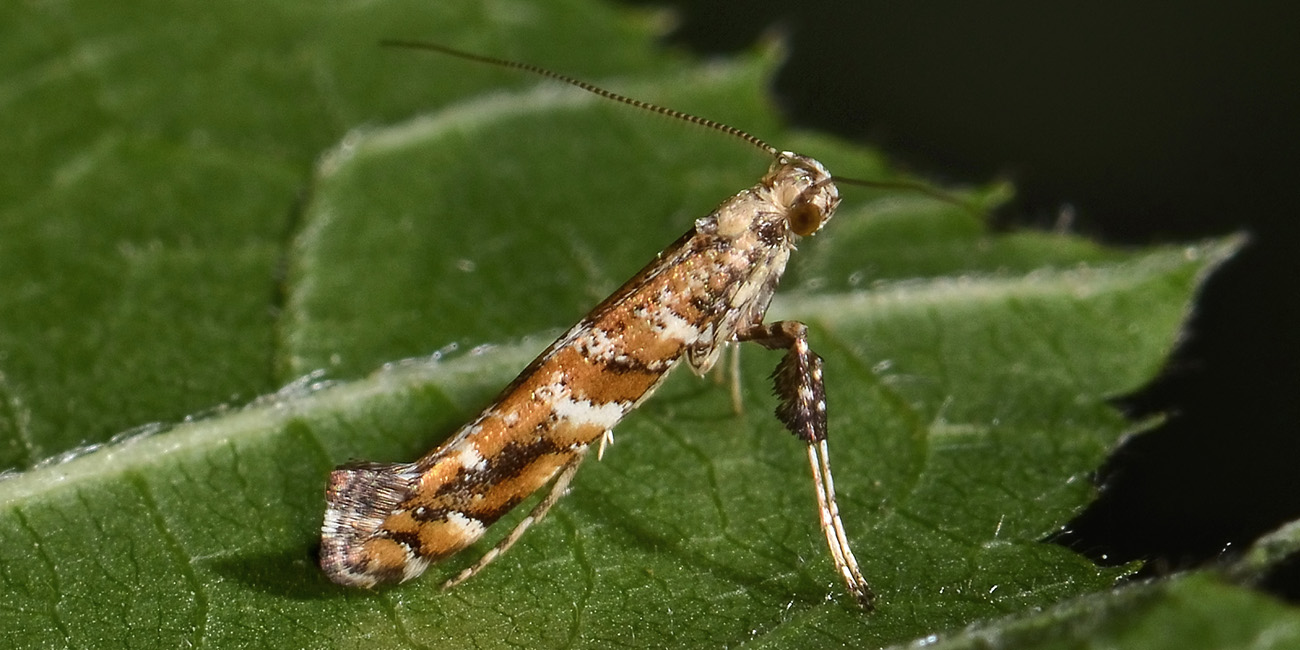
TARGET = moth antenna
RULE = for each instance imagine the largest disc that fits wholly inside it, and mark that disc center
(669, 112)
(591, 88)
(915, 186)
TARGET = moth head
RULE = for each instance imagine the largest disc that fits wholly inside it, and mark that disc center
(806, 191)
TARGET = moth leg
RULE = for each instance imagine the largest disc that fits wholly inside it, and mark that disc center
(730, 375)
(737, 397)
(606, 439)
(801, 390)
(836, 539)
(797, 380)
(558, 489)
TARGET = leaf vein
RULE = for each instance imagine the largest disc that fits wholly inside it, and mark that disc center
(184, 561)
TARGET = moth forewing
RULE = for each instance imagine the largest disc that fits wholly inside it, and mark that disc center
(712, 288)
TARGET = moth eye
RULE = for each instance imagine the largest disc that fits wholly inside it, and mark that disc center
(804, 219)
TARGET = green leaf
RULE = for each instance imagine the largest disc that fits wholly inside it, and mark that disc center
(153, 157)
(1196, 610)
(1190, 611)
(140, 282)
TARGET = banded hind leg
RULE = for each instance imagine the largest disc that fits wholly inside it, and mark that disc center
(799, 386)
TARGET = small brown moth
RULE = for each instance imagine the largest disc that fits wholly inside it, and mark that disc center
(388, 522)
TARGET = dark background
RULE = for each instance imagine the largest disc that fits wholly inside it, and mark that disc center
(1153, 122)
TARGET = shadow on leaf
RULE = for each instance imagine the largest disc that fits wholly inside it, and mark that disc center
(290, 573)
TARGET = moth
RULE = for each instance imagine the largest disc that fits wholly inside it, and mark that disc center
(387, 522)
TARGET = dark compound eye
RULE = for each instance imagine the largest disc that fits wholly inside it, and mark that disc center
(804, 219)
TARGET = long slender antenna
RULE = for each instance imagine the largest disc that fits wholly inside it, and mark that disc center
(591, 88)
(752, 139)
(915, 186)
